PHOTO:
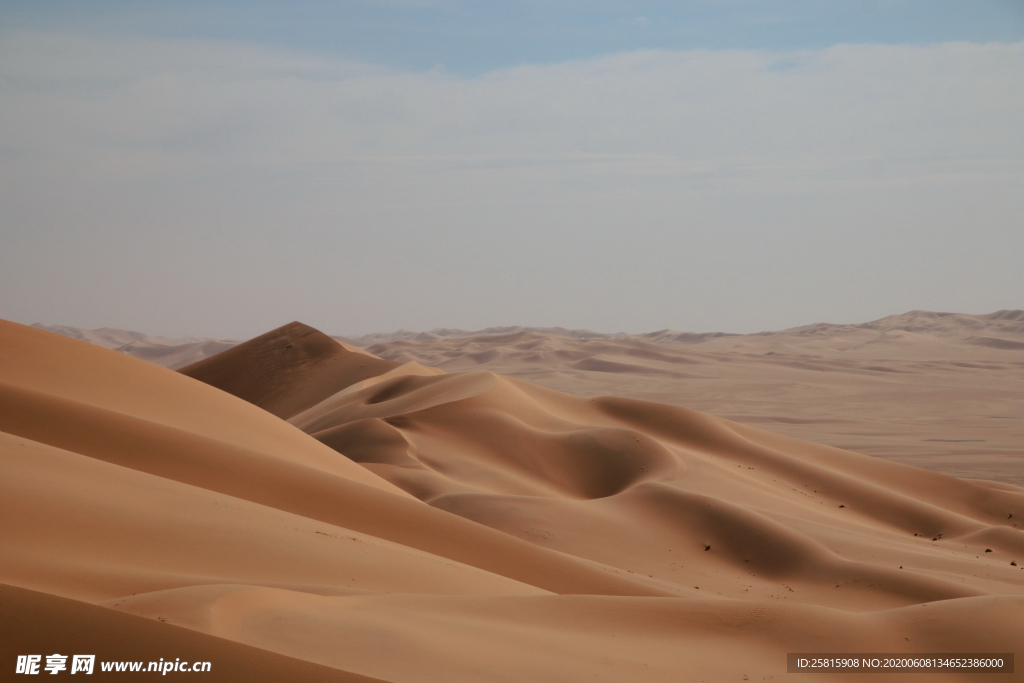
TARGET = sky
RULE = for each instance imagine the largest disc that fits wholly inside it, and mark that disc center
(221, 168)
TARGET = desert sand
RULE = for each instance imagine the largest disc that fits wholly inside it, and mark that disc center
(297, 508)
(940, 391)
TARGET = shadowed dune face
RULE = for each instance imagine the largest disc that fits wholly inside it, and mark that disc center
(369, 440)
(286, 370)
(404, 420)
(405, 524)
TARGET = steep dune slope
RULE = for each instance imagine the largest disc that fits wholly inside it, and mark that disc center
(77, 372)
(287, 370)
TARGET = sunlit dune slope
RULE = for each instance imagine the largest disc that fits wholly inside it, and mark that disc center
(579, 638)
(35, 623)
(410, 525)
(80, 375)
(84, 528)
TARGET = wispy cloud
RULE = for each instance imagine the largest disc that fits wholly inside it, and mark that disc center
(246, 105)
(245, 138)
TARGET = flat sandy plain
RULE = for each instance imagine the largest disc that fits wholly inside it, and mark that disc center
(517, 505)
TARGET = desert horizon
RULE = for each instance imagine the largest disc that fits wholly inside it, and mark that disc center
(941, 391)
(441, 341)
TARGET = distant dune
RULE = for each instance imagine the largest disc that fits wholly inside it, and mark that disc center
(296, 509)
(942, 391)
(165, 351)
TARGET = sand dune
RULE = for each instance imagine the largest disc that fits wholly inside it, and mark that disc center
(175, 356)
(308, 511)
(288, 369)
(113, 338)
(575, 638)
(940, 391)
(166, 351)
(70, 377)
(36, 622)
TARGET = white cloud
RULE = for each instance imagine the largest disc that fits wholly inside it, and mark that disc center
(248, 104)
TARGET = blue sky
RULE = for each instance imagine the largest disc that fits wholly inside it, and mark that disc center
(219, 169)
(469, 38)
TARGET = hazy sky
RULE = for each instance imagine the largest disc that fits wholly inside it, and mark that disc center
(220, 168)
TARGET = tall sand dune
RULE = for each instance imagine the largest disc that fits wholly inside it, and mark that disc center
(287, 370)
(297, 509)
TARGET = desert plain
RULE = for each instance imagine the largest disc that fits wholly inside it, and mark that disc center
(515, 504)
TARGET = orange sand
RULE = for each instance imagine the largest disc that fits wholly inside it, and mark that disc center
(295, 509)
